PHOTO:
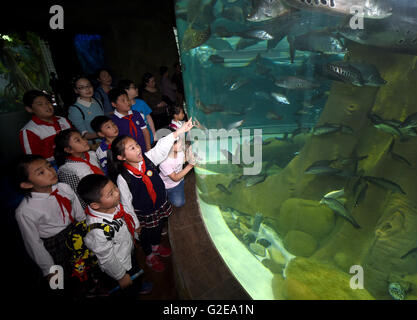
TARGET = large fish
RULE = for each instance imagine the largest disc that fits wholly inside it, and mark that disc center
(320, 42)
(369, 73)
(339, 209)
(396, 33)
(374, 9)
(340, 72)
(263, 10)
(297, 83)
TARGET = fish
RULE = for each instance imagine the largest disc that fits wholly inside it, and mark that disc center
(219, 44)
(299, 83)
(255, 33)
(272, 115)
(223, 189)
(234, 113)
(319, 42)
(321, 170)
(383, 125)
(323, 163)
(370, 74)
(408, 253)
(215, 58)
(238, 84)
(384, 183)
(233, 13)
(209, 108)
(253, 180)
(280, 98)
(335, 194)
(372, 9)
(301, 112)
(235, 181)
(244, 43)
(264, 10)
(339, 209)
(400, 158)
(235, 125)
(340, 72)
(396, 291)
(409, 122)
(326, 128)
(361, 192)
(194, 38)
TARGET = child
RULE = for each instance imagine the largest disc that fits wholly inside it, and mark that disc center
(142, 189)
(100, 94)
(108, 131)
(172, 174)
(129, 122)
(37, 136)
(139, 105)
(46, 214)
(177, 116)
(85, 109)
(112, 230)
(74, 159)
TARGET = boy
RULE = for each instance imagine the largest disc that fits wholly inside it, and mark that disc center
(112, 231)
(129, 122)
(108, 131)
(37, 136)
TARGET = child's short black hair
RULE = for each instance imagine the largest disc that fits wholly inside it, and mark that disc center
(175, 109)
(21, 171)
(31, 95)
(98, 71)
(163, 70)
(115, 93)
(98, 122)
(146, 77)
(89, 188)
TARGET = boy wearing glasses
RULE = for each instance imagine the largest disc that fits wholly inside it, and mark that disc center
(85, 109)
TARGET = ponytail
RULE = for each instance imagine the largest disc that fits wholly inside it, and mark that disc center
(114, 165)
(62, 142)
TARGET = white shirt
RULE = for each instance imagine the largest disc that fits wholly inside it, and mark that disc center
(157, 154)
(41, 217)
(114, 256)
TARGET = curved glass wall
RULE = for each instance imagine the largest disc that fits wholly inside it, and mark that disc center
(307, 147)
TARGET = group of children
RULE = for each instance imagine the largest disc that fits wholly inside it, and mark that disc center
(116, 194)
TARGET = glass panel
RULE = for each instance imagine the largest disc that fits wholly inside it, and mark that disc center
(306, 146)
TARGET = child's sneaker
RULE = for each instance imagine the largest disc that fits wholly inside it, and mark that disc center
(146, 288)
(162, 251)
(156, 264)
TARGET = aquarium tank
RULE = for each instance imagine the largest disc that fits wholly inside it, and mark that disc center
(306, 142)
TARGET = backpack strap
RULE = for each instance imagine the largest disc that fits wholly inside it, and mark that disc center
(107, 229)
(100, 103)
(79, 109)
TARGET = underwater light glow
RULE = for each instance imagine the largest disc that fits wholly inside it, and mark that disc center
(6, 37)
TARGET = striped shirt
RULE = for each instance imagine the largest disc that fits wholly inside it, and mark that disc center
(37, 136)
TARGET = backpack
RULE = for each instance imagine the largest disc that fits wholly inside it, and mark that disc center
(82, 113)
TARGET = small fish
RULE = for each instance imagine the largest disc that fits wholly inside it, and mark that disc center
(235, 125)
(370, 74)
(397, 157)
(396, 291)
(257, 33)
(361, 194)
(323, 163)
(321, 170)
(409, 122)
(238, 84)
(326, 128)
(223, 189)
(335, 194)
(215, 58)
(409, 252)
(280, 98)
(343, 73)
(264, 10)
(235, 181)
(295, 83)
(351, 160)
(384, 183)
(339, 209)
(252, 180)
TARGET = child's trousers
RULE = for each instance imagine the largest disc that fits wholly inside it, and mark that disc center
(149, 237)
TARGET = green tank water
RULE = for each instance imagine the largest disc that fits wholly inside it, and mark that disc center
(306, 144)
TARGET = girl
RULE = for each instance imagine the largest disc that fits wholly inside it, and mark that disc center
(46, 214)
(142, 191)
(177, 117)
(74, 159)
(85, 109)
(172, 173)
(138, 104)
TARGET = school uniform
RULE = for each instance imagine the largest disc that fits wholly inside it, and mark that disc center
(44, 220)
(150, 208)
(101, 153)
(175, 125)
(131, 125)
(113, 249)
(72, 171)
(37, 136)
(142, 107)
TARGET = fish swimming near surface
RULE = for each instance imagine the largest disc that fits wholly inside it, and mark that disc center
(339, 209)
(264, 10)
(385, 183)
(223, 189)
(340, 72)
(235, 125)
(279, 97)
(296, 83)
(194, 38)
(319, 42)
(372, 9)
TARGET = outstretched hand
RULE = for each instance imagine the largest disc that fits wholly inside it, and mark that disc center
(185, 128)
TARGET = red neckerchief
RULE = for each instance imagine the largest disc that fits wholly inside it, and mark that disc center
(55, 123)
(132, 126)
(63, 203)
(93, 168)
(145, 178)
(128, 219)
